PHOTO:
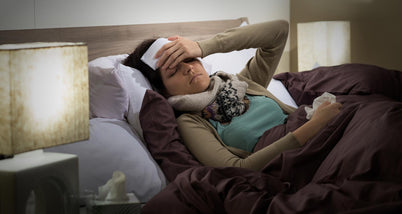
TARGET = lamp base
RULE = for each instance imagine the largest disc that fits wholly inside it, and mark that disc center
(39, 182)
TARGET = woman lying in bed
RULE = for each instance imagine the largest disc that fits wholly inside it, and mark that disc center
(225, 115)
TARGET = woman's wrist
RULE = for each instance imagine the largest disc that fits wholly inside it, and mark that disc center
(308, 130)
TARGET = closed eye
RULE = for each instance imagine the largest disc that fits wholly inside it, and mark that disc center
(172, 71)
(189, 60)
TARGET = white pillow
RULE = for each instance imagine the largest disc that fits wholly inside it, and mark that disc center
(107, 96)
(279, 91)
(136, 85)
(232, 62)
(113, 146)
(116, 90)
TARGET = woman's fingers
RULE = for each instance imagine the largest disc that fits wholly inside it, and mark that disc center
(164, 53)
(326, 111)
(172, 38)
(337, 105)
(167, 52)
(334, 106)
(172, 53)
(166, 46)
(173, 58)
(325, 103)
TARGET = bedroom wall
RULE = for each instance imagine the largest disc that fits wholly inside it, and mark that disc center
(375, 28)
(29, 14)
(24, 14)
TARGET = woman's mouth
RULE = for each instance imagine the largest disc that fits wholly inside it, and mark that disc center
(195, 76)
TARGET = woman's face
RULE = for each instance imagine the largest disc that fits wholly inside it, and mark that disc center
(189, 77)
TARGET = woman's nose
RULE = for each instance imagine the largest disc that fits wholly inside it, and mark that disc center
(187, 67)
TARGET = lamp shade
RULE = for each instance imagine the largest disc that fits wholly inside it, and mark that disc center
(43, 95)
(323, 43)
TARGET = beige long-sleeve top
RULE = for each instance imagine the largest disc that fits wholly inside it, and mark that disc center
(198, 134)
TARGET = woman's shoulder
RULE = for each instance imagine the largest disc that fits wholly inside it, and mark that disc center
(189, 122)
(189, 117)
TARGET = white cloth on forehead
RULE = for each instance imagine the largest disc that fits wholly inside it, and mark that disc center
(149, 56)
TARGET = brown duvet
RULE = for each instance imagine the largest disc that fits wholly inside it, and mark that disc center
(353, 165)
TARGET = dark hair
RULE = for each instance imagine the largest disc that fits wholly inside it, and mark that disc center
(134, 61)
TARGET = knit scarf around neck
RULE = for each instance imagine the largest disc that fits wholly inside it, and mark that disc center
(223, 100)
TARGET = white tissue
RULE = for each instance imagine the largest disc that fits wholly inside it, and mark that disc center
(149, 56)
(114, 189)
(317, 102)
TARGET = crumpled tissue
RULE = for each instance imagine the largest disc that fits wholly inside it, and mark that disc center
(317, 102)
(114, 189)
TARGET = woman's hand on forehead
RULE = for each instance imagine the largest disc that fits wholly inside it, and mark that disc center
(175, 52)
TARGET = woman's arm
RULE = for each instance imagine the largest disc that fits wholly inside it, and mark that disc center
(324, 113)
(203, 142)
(198, 135)
(268, 37)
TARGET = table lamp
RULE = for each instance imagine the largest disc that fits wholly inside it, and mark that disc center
(323, 43)
(44, 103)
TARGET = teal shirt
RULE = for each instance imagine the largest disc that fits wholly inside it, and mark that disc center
(244, 131)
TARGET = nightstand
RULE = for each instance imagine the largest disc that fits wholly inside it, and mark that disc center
(44, 182)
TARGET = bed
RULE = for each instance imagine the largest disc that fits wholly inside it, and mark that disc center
(353, 165)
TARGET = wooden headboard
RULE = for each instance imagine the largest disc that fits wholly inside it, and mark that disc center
(112, 40)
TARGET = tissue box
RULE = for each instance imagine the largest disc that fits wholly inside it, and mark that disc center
(132, 206)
